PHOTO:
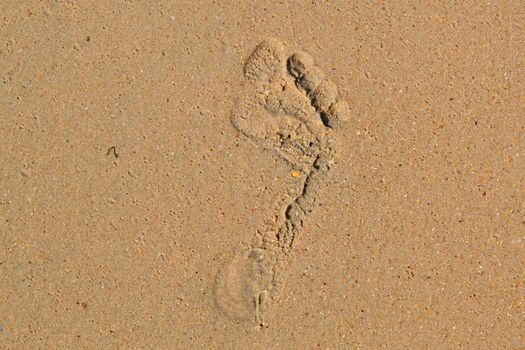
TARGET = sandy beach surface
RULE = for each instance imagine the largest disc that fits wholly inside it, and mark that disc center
(262, 174)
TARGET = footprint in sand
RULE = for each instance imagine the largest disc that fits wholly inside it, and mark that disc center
(287, 106)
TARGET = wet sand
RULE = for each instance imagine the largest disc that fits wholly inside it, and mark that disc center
(136, 211)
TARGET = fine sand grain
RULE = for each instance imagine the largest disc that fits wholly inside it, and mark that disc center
(262, 174)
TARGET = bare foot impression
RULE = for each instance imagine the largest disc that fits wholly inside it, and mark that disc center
(287, 106)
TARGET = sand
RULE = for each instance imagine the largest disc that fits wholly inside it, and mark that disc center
(262, 175)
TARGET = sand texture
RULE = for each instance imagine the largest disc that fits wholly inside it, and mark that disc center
(262, 174)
